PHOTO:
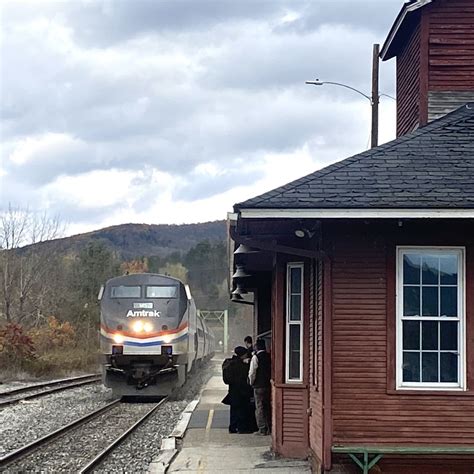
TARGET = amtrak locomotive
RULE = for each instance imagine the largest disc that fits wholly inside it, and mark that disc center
(150, 334)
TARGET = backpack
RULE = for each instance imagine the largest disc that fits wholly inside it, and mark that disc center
(227, 371)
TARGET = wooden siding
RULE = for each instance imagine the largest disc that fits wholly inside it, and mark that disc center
(451, 45)
(441, 103)
(408, 85)
(366, 408)
(316, 401)
(435, 68)
(451, 56)
(294, 418)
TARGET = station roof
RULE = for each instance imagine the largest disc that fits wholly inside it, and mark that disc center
(402, 27)
(430, 168)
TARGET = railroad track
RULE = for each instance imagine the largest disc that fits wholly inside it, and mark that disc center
(83, 444)
(38, 390)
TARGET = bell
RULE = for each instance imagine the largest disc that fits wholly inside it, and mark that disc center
(240, 272)
(240, 290)
(236, 297)
(244, 249)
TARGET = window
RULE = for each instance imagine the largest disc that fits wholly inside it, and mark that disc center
(161, 291)
(430, 315)
(294, 322)
(125, 292)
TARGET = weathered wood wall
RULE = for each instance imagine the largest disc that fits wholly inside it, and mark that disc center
(435, 67)
(408, 85)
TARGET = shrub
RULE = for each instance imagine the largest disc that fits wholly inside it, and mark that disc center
(55, 334)
(14, 343)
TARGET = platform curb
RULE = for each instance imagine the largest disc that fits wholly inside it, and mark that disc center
(168, 448)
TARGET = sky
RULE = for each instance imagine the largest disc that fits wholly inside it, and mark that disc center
(171, 111)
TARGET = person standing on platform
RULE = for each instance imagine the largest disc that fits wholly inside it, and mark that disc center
(259, 379)
(235, 373)
(249, 345)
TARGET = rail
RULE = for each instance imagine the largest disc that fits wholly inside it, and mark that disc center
(56, 386)
(102, 455)
(30, 447)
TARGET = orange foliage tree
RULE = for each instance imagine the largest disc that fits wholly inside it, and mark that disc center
(135, 266)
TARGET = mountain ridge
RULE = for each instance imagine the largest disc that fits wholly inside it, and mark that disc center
(133, 240)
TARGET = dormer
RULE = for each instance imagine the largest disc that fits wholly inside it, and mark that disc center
(433, 42)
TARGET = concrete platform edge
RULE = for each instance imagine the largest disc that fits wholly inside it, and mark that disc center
(168, 445)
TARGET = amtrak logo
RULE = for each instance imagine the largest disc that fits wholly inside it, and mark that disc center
(143, 313)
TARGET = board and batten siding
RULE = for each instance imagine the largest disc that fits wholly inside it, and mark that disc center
(365, 405)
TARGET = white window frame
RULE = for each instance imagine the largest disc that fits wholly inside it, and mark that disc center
(461, 385)
(289, 323)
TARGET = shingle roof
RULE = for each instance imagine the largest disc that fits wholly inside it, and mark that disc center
(432, 167)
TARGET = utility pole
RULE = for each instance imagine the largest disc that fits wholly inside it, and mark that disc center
(375, 96)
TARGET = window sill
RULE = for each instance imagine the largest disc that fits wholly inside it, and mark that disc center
(454, 392)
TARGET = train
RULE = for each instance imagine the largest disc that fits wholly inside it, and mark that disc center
(151, 335)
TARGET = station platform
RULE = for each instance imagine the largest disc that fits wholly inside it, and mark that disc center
(208, 447)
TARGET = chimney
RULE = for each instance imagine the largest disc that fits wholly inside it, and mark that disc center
(433, 41)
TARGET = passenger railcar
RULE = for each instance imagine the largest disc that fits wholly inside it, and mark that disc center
(151, 335)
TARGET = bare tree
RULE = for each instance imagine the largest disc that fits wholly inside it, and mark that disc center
(25, 260)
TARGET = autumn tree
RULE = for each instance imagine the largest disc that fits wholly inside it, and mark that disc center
(138, 265)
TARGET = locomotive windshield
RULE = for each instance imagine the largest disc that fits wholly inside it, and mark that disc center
(125, 291)
(161, 291)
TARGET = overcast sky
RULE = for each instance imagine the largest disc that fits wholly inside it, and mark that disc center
(158, 111)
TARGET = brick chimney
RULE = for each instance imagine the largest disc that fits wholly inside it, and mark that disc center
(433, 41)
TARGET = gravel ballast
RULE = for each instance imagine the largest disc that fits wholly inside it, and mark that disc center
(25, 422)
(137, 452)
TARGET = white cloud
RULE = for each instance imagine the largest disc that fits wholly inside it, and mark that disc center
(173, 111)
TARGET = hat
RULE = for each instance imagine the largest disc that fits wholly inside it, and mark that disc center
(240, 351)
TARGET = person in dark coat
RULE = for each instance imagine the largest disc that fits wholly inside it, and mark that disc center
(235, 375)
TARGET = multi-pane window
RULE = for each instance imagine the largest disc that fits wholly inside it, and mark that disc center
(430, 307)
(294, 322)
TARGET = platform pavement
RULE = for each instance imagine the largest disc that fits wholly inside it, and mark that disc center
(208, 447)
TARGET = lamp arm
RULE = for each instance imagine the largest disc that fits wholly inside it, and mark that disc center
(349, 87)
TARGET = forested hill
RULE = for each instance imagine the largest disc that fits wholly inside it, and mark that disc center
(129, 241)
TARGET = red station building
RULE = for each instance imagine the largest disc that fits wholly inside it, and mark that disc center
(363, 274)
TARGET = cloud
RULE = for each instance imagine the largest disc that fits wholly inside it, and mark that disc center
(115, 110)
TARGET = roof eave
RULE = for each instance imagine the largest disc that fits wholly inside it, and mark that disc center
(387, 50)
(370, 213)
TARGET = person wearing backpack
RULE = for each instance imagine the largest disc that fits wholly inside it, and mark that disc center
(234, 374)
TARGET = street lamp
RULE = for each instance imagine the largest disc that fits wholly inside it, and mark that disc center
(374, 99)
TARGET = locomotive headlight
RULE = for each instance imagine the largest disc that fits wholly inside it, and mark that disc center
(167, 339)
(147, 327)
(138, 326)
(118, 338)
